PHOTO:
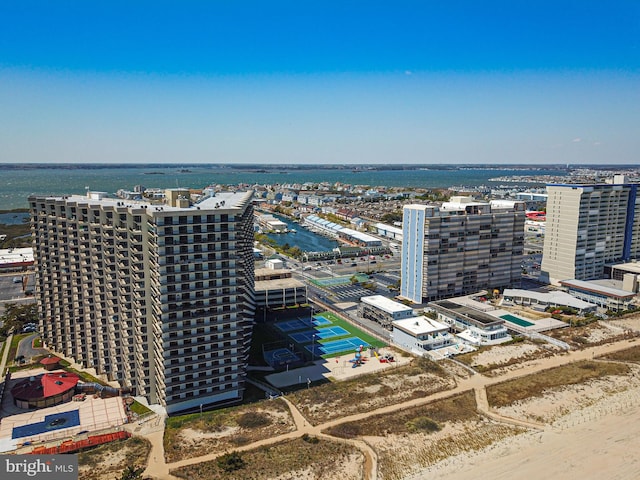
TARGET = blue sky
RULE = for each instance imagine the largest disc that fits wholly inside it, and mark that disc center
(320, 82)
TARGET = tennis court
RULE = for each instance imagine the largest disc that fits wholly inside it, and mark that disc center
(56, 421)
(517, 321)
(336, 346)
(319, 321)
(320, 333)
(292, 325)
(302, 323)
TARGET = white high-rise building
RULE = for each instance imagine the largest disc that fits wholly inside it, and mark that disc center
(589, 226)
(460, 248)
(157, 297)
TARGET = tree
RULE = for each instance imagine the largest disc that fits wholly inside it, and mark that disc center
(16, 315)
(392, 217)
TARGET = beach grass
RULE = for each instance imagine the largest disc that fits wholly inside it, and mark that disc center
(511, 391)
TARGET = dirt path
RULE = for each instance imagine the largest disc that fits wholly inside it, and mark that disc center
(482, 403)
(160, 470)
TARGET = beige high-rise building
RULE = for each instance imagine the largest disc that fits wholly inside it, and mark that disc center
(589, 226)
(460, 248)
(157, 297)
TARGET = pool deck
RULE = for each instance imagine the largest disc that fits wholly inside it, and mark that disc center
(537, 325)
(95, 414)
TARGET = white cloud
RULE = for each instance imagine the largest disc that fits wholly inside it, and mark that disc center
(576, 140)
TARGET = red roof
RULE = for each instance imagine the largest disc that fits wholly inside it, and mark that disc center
(45, 385)
(49, 360)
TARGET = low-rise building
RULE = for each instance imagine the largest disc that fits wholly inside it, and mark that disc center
(421, 333)
(13, 259)
(270, 223)
(473, 326)
(542, 300)
(275, 288)
(603, 296)
(383, 310)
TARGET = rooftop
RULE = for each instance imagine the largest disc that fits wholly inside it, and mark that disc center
(595, 288)
(12, 256)
(471, 313)
(419, 325)
(277, 284)
(221, 201)
(385, 304)
(554, 297)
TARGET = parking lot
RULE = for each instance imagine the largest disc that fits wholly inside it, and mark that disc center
(345, 293)
(12, 291)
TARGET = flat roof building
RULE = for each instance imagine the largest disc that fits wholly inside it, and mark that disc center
(588, 226)
(16, 258)
(419, 334)
(460, 248)
(542, 300)
(338, 231)
(157, 297)
(474, 326)
(383, 310)
(275, 288)
(603, 296)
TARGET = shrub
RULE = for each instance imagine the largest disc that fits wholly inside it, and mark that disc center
(310, 439)
(429, 366)
(424, 424)
(346, 430)
(231, 462)
(253, 420)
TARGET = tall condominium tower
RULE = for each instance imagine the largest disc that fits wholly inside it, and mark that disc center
(589, 226)
(158, 297)
(460, 248)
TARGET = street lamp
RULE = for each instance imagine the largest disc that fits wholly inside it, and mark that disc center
(313, 347)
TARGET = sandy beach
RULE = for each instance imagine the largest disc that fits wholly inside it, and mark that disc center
(591, 446)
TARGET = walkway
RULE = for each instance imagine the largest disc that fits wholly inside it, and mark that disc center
(158, 469)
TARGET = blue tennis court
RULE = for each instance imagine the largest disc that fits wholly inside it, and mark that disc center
(336, 346)
(302, 323)
(292, 325)
(320, 333)
(56, 421)
(320, 321)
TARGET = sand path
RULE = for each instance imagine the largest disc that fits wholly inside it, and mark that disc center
(160, 470)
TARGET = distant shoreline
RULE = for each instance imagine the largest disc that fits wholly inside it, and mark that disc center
(354, 167)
